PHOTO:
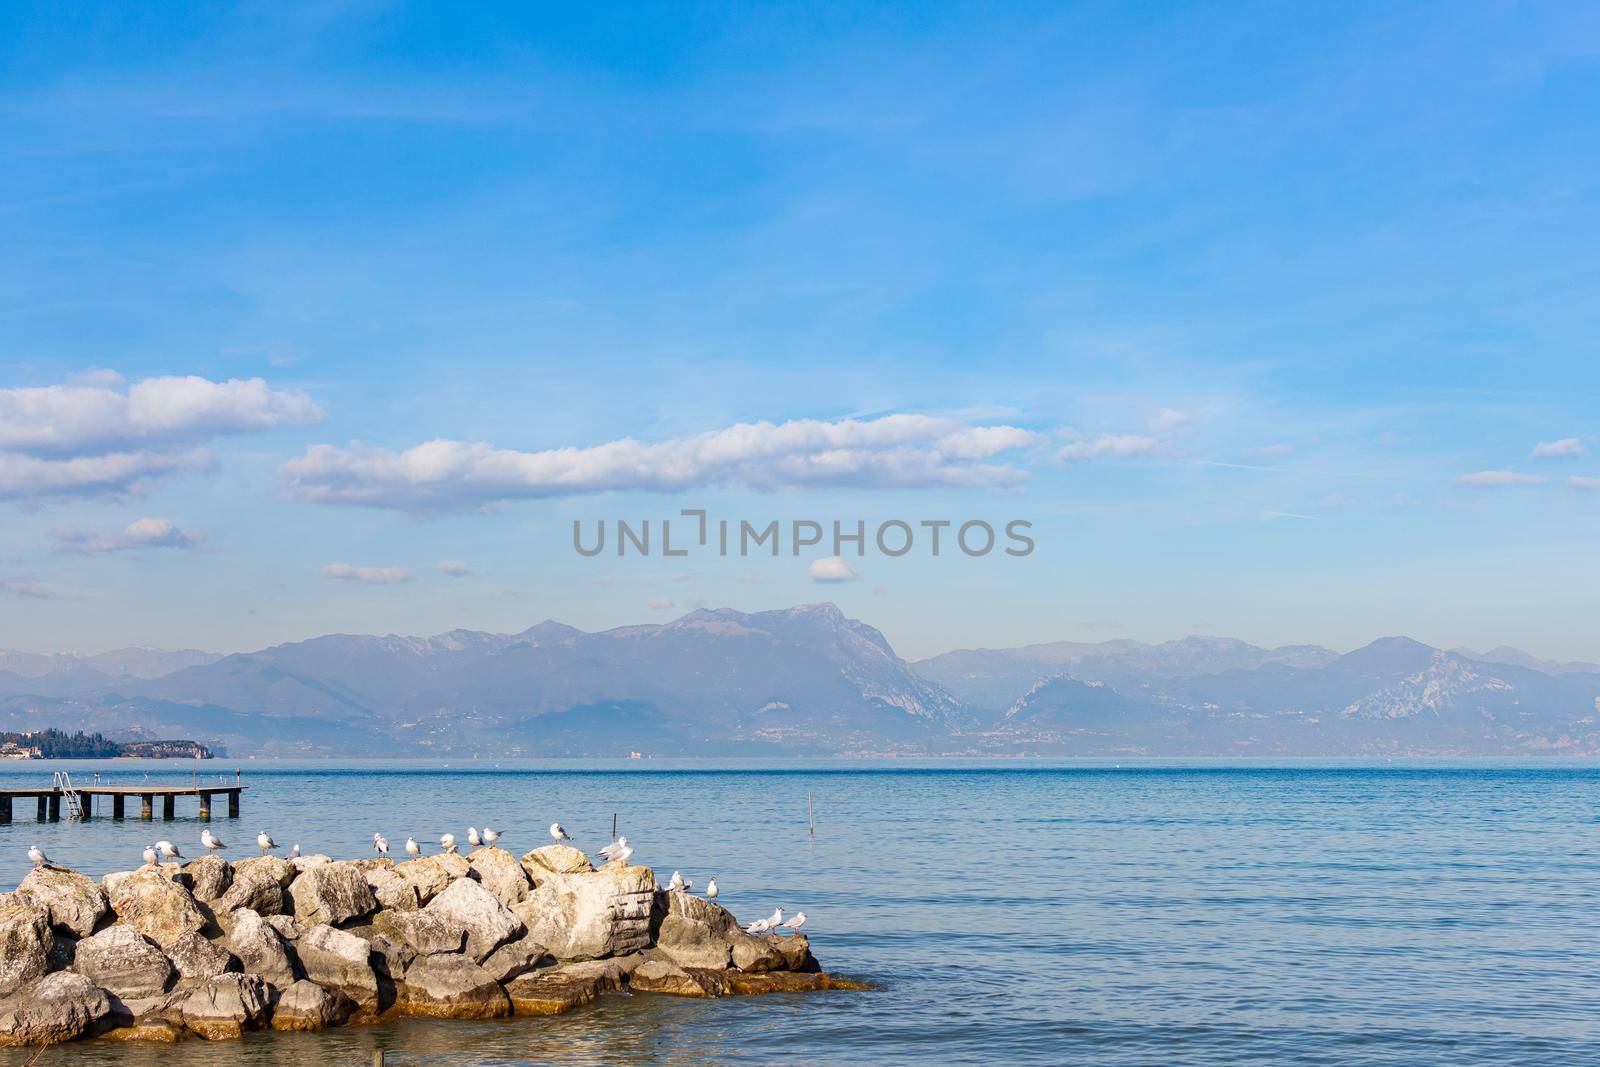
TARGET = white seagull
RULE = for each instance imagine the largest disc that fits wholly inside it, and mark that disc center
(618, 851)
(294, 853)
(760, 926)
(266, 843)
(211, 842)
(490, 836)
(380, 842)
(776, 918)
(149, 856)
(448, 842)
(412, 848)
(797, 922)
(168, 850)
(40, 860)
(711, 888)
(558, 833)
(472, 837)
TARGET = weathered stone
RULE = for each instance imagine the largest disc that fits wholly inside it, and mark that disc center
(195, 956)
(73, 901)
(390, 959)
(331, 893)
(453, 987)
(691, 943)
(662, 976)
(122, 961)
(591, 915)
(796, 952)
(151, 1031)
(515, 958)
(58, 1007)
(63, 950)
(499, 872)
(340, 961)
(426, 932)
(258, 888)
(209, 877)
(26, 941)
(755, 953)
(392, 890)
(274, 866)
(302, 864)
(288, 926)
(749, 985)
(154, 904)
(304, 1005)
(260, 949)
(541, 863)
(551, 992)
(488, 922)
(426, 876)
(221, 1007)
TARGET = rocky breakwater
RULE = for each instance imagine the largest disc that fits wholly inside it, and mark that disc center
(212, 949)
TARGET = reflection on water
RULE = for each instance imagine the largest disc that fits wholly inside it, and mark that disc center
(1190, 914)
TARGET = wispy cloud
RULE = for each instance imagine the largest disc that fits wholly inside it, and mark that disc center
(1117, 446)
(1587, 484)
(895, 451)
(1564, 448)
(1166, 420)
(344, 572)
(832, 570)
(1500, 479)
(148, 532)
(660, 603)
(27, 587)
(454, 568)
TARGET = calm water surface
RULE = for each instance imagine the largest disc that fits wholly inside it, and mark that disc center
(1019, 912)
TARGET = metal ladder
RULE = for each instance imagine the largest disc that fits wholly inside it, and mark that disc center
(63, 781)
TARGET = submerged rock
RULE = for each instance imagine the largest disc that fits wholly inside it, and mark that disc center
(453, 987)
(73, 901)
(304, 1005)
(124, 962)
(221, 1007)
(59, 1007)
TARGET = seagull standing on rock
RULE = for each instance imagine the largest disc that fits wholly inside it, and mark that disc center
(448, 842)
(618, 851)
(149, 855)
(711, 888)
(294, 853)
(776, 918)
(40, 860)
(472, 837)
(558, 833)
(412, 848)
(796, 923)
(760, 926)
(380, 843)
(266, 843)
(212, 843)
(490, 836)
(168, 850)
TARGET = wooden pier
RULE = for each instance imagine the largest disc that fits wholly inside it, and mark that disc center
(49, 800)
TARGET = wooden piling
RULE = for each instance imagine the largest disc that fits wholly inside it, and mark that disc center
(86, 805)
(811, 824)
(233, 804)
(44, 807)
(55, 807)
(117, 809)
(205, 807)
(169, 807)
(147, 806)
(5, 809)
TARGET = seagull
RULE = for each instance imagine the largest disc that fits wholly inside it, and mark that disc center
(776, 918)
(472, 837)
(267, 843)
(677, 881)
(168, 850)
(40, 860)
(412, 848)
(760, 926)
(448, 842)
(558, 833)
(149, 856)
(380, 842)
(797, 922)
(711, 888)
(294, 853)
(490, 836)
(211, 842)
(618, 851)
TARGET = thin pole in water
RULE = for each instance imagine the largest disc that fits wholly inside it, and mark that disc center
(379, 1057)
(811, 824)
(613, 826)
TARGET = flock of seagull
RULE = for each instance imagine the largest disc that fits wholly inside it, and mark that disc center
(619, 852)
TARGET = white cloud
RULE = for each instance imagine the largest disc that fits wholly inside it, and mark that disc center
(1167, 420)
(147, 532)
(659, 603)
(26, 587)
(1578, 481)
(97, 434)
(343, 572)
(1567, 446)
(1497, 479)
(894, 451)
(455, 568)
(832, 570)
(1123, 446)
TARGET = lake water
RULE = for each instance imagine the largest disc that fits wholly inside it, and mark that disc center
(1028, 912)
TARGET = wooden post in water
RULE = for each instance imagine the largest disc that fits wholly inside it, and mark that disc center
(147, 807)
(118, 806)
(811, 824)
(169, 807)
(55, 806)
(86, 802)
(233, 804)
(5, 809)
(379, 1057)
(205, 807)
(44, 807)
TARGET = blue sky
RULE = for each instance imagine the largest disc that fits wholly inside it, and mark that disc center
(1259, 298)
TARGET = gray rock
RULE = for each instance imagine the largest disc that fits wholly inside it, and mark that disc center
(430, 875)
(541, 863)
(756, 954)
(260, 949)
(393, 891)
(515, 958)
(276, 867)
(663, 976)
(488, 922)
(331, 893)
(221, 1007)
(195, 956)
(73, 901)
(122, 961)
(154, 904)
(209, 877)
(499, 872)
(390, 959)
(427, 932)
(256, 887)
(453, 987)
(288, 926)
(591, 915)
(56, 1008)
(695, 932)
(26, 941)
(340, 961)
(304, 1005)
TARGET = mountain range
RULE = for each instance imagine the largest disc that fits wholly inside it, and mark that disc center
(810, 681)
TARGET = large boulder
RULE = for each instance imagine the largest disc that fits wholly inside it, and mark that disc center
(541, 863)
(332, 893)
(591, 915)
(756, 953)
(194, 956)
(221, 1007)
(429, 875)
(427, 933)
(26, 941)
(154, 904)
(123, 961)
(209, 876)
(693, 931)
(453, 987)
(304, 1005)
(257, 887)
(260, 949)
(663, 976)
(489, 924)
(273, 866)
(73, 901)
(288, 926)
(340, 961)
(392, 890)
(515, 958)
(551, 992)
(500, 873)
(796, 952)
(58, 1007)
